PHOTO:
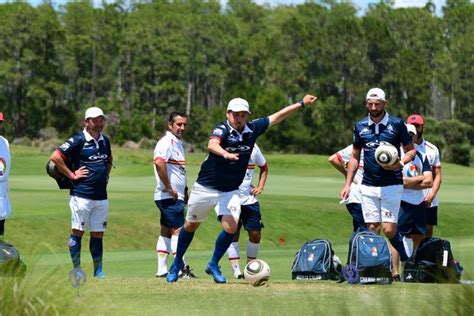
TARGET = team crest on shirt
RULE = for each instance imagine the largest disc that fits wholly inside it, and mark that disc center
(66, 145)
(365, 130)
(218, 132)
(3, 166)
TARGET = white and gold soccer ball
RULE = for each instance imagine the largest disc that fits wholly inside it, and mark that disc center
(386, 154)
(257, 272)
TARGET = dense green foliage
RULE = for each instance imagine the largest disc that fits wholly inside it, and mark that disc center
(142, 60)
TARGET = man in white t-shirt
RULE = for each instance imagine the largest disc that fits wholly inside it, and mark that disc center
(339, 160)
(170, 193)
(432, 153)
(250, 216)
(5, 161)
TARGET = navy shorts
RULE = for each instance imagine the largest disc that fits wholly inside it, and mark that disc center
(250, 217)
(172, 212)
(412, 219)
(432, 215)
(355, 209)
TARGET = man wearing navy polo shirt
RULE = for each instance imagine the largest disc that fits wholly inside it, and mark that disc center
(382, 186)
(90, 156)
(230, 145)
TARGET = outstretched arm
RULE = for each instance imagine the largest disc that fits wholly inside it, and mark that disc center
(279, 116)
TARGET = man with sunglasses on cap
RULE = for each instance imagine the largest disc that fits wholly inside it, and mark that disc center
(381, 186)
(432, 153)
(417, 176)
(91, 158)
(5, 163)
(230, 145)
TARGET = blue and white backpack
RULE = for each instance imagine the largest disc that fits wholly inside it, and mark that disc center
(316, 261)
(369, 259)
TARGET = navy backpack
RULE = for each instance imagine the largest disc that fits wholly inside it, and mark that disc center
(316, 261)
(369, 259)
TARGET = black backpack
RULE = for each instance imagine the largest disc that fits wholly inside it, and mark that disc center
(369, 259)
(432, 262)
(315, 261)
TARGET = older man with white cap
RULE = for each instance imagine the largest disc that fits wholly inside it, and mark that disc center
(5, 164)
(230, 145)
(381, 186)
(90, 156)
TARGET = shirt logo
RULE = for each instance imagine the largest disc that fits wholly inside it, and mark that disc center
(97, 157)
(239, 148)
(365, 130)
(217, 132)
(65, 146)
(3, 166)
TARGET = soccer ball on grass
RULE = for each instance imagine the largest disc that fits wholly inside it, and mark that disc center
(257, 272)
(386, 154)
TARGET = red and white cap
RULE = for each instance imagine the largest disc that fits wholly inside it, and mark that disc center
(415, 119)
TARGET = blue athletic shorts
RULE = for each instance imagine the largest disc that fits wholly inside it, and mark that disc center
(412, 219)
(250, 217)
(355, 209)
(172, 212)
(432, 215)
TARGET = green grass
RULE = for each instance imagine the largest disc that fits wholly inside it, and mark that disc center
(300, 203)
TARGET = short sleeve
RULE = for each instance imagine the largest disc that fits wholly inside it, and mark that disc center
(162, 150)
(356, 140)
(71, 146)
(259, 158)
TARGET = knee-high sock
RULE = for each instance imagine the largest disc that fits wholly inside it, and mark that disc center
(184, 240)
(233, 252)
(174, 246)
(223, 242)
(96, 249)
(74, 244)
(252, 250)
(397, 243)
(163, 247)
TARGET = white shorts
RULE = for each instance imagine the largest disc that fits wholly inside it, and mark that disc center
(87, 213)
(381, 203)
(203, 199)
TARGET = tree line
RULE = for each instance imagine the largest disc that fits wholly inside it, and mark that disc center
(139, 61)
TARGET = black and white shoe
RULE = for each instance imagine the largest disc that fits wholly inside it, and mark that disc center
(186, 273)
(164, 275)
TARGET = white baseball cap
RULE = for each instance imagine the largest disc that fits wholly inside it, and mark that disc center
(411, 128)
(376, 93)
(238, 105)
(94, 112)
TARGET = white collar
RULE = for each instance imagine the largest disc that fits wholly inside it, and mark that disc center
(246, 129)
(173, 137)
(89, 137)
(384, 121)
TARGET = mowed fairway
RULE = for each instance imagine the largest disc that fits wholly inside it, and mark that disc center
(300, 203)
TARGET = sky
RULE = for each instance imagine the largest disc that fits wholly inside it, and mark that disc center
(360, 4)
